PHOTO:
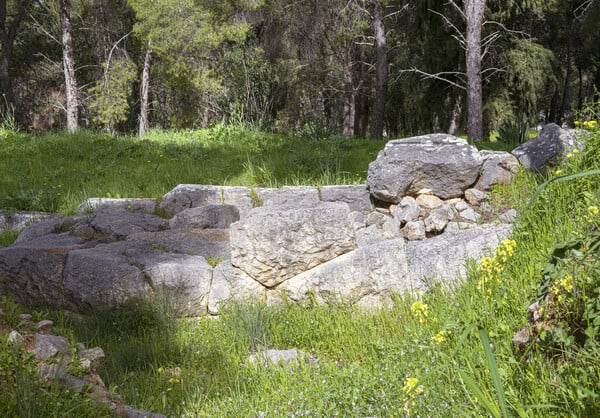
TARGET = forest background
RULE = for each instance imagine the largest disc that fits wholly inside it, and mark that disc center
(361, 68)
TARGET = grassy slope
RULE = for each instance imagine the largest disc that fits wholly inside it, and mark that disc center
(57, 172)
(365, 358)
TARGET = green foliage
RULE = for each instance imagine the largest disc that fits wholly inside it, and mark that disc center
(109, 97)
(8, 237)
(57, 172)
(513, 133)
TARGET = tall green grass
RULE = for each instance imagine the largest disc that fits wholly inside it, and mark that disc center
(56, 172)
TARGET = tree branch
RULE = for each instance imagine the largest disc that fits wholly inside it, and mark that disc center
(438, 76)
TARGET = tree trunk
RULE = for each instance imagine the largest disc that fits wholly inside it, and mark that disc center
(361, 118)
(7, 39)
(381, 73)
(474, 12)
(349, 98)
(144, 93)
(565, 95)
(68, 65)
(455, 120)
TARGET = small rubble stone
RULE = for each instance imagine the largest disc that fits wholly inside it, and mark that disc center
(91, 359)
(509, 216)
(15, 337)
(461, 205)
(522, 338)
(414, 230)
(376, 218)
(48, 346)
(24, 317)
(44, 326)
(438, 219)
(469, 215)
(476, 197)
(429, 201)
(407, 211)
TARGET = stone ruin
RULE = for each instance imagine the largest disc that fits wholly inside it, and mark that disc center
(424, 212)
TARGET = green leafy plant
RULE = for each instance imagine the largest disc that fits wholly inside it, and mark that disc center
(513, 133)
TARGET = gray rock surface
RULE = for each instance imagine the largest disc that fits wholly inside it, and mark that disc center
(90, 359)
(48, 346)
(443, 163)
(438, 218)
(407, 211)
(548, 149)
(209, 243)
(23, 219)
(367, 276)
(414, 230)
(273, 244)
(48, 226)
(498, 167)
(476, 197)
(469, 215)
(444, 257)
(203, 217)
(32, 271)
(231, 286)
(289, 196)
(356, 196)
(120, 224)
(145, 205)
(44, 326)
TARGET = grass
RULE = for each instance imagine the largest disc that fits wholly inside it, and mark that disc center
(455, 359)
(56, 172)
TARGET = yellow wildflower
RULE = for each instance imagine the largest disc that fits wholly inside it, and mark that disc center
(575, 151)
(440, 337)
(593, 210)
(557, 172)
(569, 155)
(409, 384)
(420, 310)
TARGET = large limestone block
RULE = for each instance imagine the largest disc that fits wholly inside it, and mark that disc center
(32, 270)
(103, 276)
(212, 243)
(119, 224)
(183, 278)
(22, 219)
(48, 226)
(230, 286)
(186, 196)
(445, 164)
(273, 244)
(356, 196)
(288, 196)
(367, 276)
(547, 149)
(444, 257)
(113, 204)
(210, 216)
(122, 272)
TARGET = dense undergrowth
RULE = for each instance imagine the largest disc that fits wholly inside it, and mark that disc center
(449, 353)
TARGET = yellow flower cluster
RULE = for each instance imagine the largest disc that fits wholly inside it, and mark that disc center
(409, 384)
(593, 210)
(590, 124)
(420, 310)
(562, 287)
(491, 267)
(440, 337)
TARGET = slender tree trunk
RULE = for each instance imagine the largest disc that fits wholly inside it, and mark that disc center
(580, 93)
(68, 65)
(565, 95)
(5, 80)
(474, 12)
(381, 79)
(144, 93)
(349, 101)
(361, 119)
(455, 120)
